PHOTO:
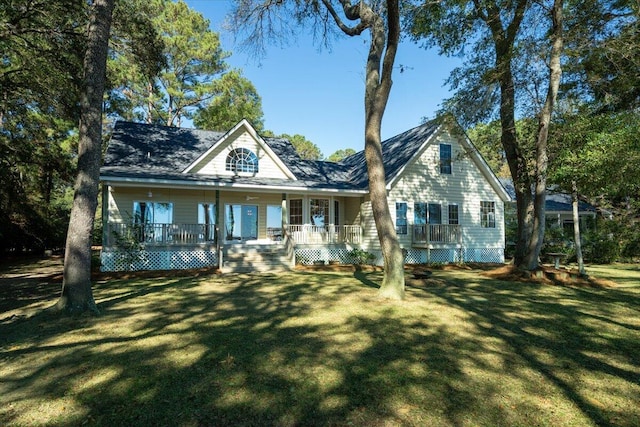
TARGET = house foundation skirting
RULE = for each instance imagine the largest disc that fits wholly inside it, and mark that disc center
(454, 255)
(165, 259)
(312, 255)
(162, 259)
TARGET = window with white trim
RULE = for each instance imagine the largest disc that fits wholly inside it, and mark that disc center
(445, 159)
(207, 218)
(295, 211)
(427, 213)
(242, 160)
(401, 217)
(152, 213)
(488, 214)
(454, 215)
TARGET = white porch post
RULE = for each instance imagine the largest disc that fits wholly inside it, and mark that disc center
(285, 215)
(218, 231)
(105, 215)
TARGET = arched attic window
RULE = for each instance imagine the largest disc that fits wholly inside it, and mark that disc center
(242, 160)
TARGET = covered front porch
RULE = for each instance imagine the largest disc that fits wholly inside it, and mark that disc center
(156, 234)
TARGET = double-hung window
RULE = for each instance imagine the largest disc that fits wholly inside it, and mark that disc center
(488, 214)
(454, 215)
(295, 211)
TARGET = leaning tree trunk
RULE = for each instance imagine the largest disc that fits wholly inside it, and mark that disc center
(77, 295)
(542, 160)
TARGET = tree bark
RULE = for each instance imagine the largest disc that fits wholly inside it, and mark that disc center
(379, 67)
(77, 295)
(530, 207)
(378, 87)
(542, 160)
(504, 38)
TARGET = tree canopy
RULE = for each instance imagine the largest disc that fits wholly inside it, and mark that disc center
(236, 99)
(193, 60)
(515, 53)
(341, 154)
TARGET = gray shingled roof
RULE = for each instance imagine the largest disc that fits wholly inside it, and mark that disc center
(140, 151)
(396, 152)
(556, 201)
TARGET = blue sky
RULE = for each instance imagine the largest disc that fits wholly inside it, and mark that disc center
(320, 93)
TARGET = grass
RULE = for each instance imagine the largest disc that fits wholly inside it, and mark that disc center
(318, 348)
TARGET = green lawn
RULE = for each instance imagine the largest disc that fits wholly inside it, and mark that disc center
(318, 348)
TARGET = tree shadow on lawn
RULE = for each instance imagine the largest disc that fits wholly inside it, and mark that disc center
(570, 335)
(310, 349)
(28, 281)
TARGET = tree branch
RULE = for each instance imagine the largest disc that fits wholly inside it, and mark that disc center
(351, 12)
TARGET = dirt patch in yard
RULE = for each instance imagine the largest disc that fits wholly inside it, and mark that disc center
(547, 275)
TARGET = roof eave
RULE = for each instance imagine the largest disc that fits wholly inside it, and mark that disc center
(398, 175)
(185, 184)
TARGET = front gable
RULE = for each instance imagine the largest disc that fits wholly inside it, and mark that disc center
(242, 143)
(467, 169)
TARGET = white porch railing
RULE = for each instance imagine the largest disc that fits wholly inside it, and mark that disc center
(437, 233)
(161, 234)
(328, 234)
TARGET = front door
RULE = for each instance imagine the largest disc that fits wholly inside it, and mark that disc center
(241, 222)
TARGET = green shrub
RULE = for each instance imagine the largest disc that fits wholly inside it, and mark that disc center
(602, 245)
(360, 257)
(630, 244)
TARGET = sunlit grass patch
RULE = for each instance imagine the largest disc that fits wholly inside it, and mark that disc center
(305, 348)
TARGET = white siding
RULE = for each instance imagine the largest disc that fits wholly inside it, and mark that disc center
(368, 223)
(466, 187)
(215, 162)
(185, 203)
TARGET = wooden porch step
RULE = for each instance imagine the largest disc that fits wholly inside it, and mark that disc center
(255, 258)
(257, 267)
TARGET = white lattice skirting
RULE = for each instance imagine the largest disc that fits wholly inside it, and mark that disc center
(309, 256)
(114, 260)
(158, 260)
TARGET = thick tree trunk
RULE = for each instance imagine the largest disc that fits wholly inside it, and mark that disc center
(393, 280)
(530, 208)
(504, 38)
(576, 227)
(378, 87)
(77, 295)
(515, 158)
(555, 73)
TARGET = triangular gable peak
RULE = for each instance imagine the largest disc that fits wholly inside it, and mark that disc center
(444, 133)
(240, 152)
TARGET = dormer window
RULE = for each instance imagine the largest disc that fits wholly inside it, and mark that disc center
(242, 160)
